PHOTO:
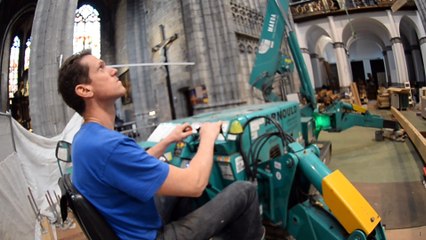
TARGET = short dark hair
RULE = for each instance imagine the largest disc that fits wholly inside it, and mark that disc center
(70, 75)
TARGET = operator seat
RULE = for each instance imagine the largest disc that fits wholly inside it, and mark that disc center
(90, 220)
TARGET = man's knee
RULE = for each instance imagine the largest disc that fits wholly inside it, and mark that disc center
(245, 187)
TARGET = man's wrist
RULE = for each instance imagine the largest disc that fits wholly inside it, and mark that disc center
(168, 140)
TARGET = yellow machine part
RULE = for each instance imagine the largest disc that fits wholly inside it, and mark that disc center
(358, 108)
(348, 205)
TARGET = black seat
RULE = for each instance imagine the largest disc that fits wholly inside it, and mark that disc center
(90, 220)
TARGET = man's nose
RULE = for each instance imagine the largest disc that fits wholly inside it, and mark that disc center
(113, 71)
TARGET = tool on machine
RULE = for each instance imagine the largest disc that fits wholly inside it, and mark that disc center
(271, 144)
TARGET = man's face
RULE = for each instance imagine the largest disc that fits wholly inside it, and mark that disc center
(104, 81)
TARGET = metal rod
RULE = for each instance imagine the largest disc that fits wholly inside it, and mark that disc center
(51, 205)
(152, 64)
(55, 211)
(58, 198)
(32, 198)
(36, 210)
(33, 207)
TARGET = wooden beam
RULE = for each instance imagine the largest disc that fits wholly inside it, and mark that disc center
(398, 4)
(355, 94)
(48, 233)
(415, 136)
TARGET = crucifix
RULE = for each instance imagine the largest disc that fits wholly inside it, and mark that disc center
(163, 45)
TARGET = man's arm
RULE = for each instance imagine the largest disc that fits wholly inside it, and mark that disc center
(179, 133)
(192, 181)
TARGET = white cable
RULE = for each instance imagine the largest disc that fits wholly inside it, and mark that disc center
(151, 64)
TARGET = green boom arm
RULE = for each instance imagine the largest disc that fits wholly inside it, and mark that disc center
(269, 59)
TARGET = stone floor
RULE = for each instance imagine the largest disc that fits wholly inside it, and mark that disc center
(368, 163)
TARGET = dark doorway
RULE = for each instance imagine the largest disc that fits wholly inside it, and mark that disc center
(358, 73)
(378, 71)
(332, 76)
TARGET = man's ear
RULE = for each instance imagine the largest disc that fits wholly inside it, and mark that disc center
(84, 90)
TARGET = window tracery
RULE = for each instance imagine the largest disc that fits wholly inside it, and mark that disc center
(87, 30)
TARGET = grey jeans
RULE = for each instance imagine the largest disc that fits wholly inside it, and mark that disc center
(232, 214)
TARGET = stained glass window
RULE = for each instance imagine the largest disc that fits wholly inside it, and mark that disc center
(13, 66)
(87, 30)
(27, 54)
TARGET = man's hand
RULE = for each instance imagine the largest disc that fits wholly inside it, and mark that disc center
(179, 133)
(210, 130)
(192, 181)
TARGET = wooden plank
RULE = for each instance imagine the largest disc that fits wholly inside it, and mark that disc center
(48, 233)
(72, 232)
(355, 94)
(415, 136)
(398, 4)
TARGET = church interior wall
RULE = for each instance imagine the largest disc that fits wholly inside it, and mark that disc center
(168, 14)
(209, 34)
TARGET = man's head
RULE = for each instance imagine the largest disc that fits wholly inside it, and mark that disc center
(83, 79)
(71, 74)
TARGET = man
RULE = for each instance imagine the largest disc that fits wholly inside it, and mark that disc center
(120, 179)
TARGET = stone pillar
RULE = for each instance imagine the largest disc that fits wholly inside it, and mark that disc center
(341, 56)
(324, 75)
(245, 72)
(212, 44)
(307, 58)
(400, 62)
(52, 34)
(316, 68)
(398, 52)
(144, 93)
(342, 65)
(422, 42)
(421, 7)
(387, 67)
(417, 64)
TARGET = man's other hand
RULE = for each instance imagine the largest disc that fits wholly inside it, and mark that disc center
(180, 132)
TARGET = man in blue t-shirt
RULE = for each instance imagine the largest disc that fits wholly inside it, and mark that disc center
(122, 180)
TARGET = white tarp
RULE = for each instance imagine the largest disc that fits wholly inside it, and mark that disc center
(33, 166)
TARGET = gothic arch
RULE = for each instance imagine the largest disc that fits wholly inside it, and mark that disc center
(409, 28)
(369, 28)
(319, 44)
(316, 37)
(366, 40)
(409, 33)
(106, 9)
(17, 23)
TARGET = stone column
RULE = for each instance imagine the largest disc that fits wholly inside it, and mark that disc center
(400, 62)
(212, 44)
(317, 71)
(387, 67)
(245, 72)
(422, 42)
(307, 58)
(323, 72)
(421, 6)
(341, 56)
(342, 65)
(417, 64)
(398, 51)
(52, 34)
(144, 93)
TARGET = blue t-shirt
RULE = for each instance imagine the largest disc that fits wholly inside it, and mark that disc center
(119, 178)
